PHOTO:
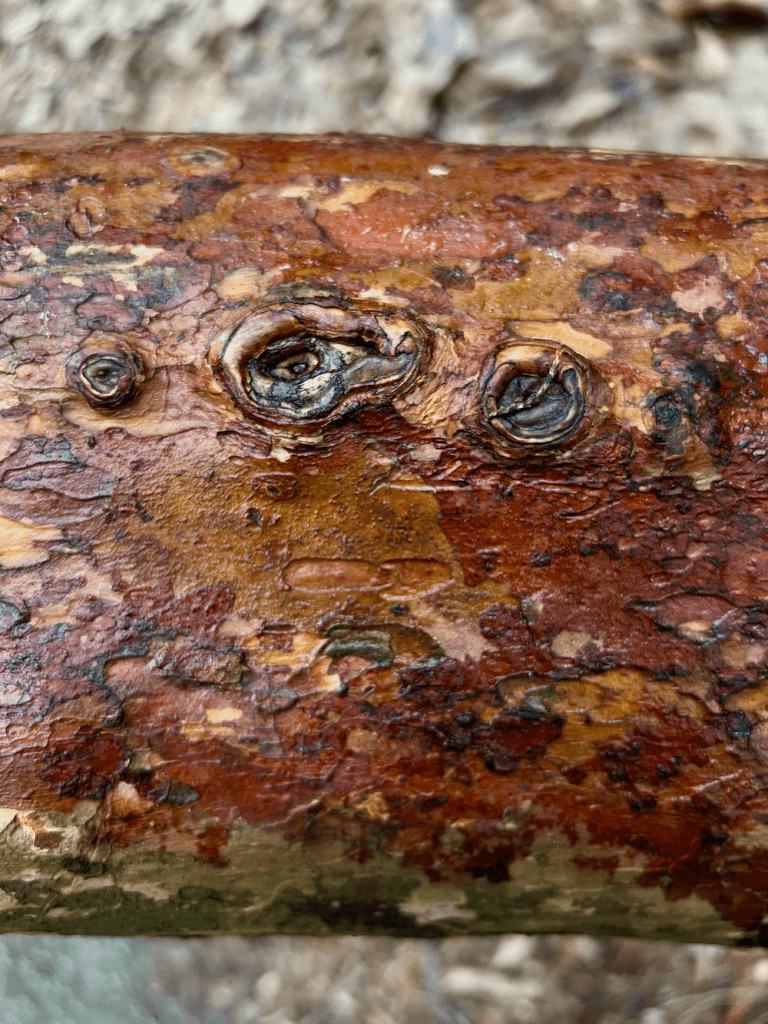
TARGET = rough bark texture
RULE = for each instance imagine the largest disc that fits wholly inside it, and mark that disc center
(382, 538)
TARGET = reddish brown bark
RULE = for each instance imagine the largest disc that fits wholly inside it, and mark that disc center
(382, 539)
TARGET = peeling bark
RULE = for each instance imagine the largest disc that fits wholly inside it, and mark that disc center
(382, 536)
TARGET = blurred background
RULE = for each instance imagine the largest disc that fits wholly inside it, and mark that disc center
(674, 75)
(666, 75)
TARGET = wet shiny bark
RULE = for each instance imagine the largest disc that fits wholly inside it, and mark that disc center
(382, 534)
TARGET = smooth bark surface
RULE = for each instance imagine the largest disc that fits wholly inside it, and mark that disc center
(382, 533)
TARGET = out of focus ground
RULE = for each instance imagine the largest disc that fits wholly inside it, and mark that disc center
(511, 980)
(684, 76)
(630, 74)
